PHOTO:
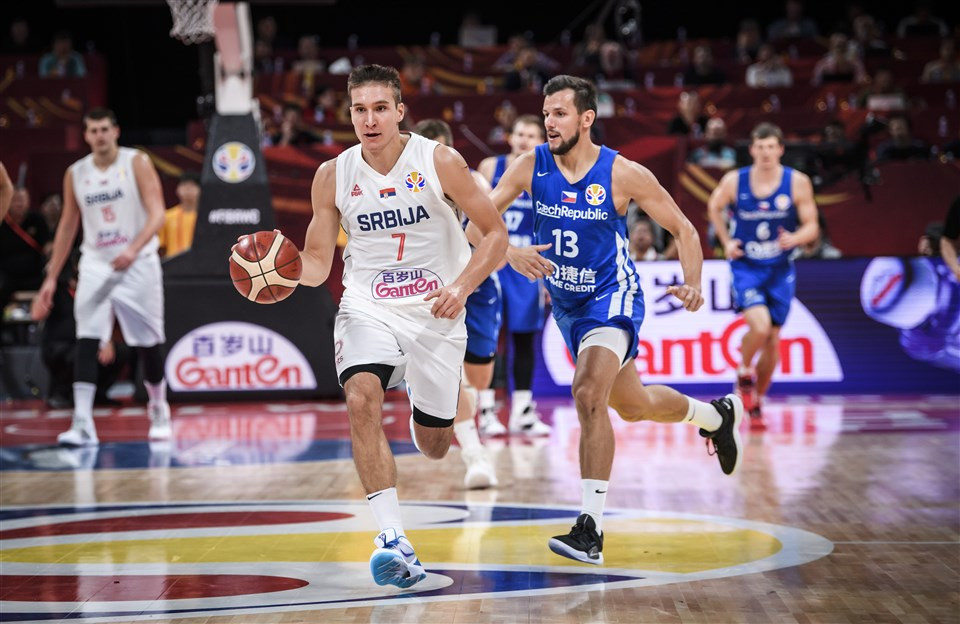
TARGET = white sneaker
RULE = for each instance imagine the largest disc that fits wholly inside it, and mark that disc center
(394, 562)
(80, 433)
(160, 428)
(489, 424)
(528, 422)
(480, 472)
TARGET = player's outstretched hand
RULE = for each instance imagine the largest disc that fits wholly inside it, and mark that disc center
(732, 249)
(124, 259)
(449, 301)
(528, 262)
(690, 296)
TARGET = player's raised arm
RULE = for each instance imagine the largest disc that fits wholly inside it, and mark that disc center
(639, 184)
(321, 240)
(721, 197)
(459, 185)
(807, 214)
(515, 180)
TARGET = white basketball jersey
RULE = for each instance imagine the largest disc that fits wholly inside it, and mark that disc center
(110, 206)
(404, 236)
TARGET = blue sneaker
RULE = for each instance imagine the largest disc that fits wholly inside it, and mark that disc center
(394, 562)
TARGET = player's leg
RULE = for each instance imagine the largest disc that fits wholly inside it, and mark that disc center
(138, 306)
(596, 368)
(480, 472)
(718, 420)
(779, 291)
(394, 561)
(94, 319)
(523, 303)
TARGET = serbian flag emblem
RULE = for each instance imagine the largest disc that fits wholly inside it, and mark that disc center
(388, 192)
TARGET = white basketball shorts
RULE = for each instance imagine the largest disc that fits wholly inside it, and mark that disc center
(425, 351)
(134, 297)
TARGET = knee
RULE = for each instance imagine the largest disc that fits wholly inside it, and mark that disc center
(763, 329)
(589, 398)
(362, 406)
(433, 442)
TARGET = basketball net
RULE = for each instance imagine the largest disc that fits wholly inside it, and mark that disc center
(192, 20)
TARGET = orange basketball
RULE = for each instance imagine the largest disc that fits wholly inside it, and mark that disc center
(265, 267)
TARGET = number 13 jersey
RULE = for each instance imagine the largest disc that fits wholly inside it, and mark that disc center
(589, 242)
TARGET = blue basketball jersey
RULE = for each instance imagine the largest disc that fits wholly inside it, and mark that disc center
(588, 239)
(519, 216)
(757, 221)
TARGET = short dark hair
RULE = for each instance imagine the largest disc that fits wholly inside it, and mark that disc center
(584, 91)
(289, 105)
(189, 176)
(98, 113)
(902, 117)
(531, 120)
(364, 74)
(766, 130)
(433, 128)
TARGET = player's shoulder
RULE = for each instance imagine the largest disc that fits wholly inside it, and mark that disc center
(626, 169)
(327, 172)
(800, 178)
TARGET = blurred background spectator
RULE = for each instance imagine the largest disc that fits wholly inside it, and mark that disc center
(702, 71)
(641, 242)
(715, 153)
(838, 64)
(24, 239)
(922, 23)
(690, 120)
(62, 61)
(947, 67)
(902, 145)
(793, 25)
(769, 70)
(179, 222)
(18, 39)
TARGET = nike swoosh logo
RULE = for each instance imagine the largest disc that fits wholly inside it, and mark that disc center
(598, 298)
(540, 174)
(600, 492)
(373, 496)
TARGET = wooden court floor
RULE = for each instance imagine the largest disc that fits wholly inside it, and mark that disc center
(846, 509)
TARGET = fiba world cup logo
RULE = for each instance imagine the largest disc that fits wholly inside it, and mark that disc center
(595, 194)
(233, 162)
(415, 182)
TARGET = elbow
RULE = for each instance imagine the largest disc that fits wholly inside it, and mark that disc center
(688, 234)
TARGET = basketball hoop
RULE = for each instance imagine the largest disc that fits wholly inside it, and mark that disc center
(192, 20)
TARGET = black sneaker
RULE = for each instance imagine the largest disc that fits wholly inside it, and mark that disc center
(726, 440)
(582, 543)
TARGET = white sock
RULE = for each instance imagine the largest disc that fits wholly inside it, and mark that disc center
(520, 400)
(386, 509)
(467, 436)
(83, 393)
(594, 499)
(157, 392)
(488, 399)
(703, 415)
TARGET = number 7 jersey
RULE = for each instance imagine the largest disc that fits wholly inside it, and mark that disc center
(589, 242)
(403, 235)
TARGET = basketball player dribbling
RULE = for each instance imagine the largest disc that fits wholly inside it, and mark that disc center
(773, 212)
(580, 194)
(407, 274)
(483, 331)
(115, 192)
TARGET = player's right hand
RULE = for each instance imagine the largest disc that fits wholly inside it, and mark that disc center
(43, 302)
(732, 249)
(528, 262)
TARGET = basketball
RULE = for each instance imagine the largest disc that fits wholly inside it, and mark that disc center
(265, 267)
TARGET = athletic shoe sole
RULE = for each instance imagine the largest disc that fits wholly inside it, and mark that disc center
(563, 550)
(390, 568)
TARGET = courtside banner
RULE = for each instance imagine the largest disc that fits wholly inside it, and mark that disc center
(875, 325)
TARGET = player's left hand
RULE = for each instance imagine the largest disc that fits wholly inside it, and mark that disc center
(124, 259)
(449, 301)
(106, 354)
(786, 240)
(689, 295)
